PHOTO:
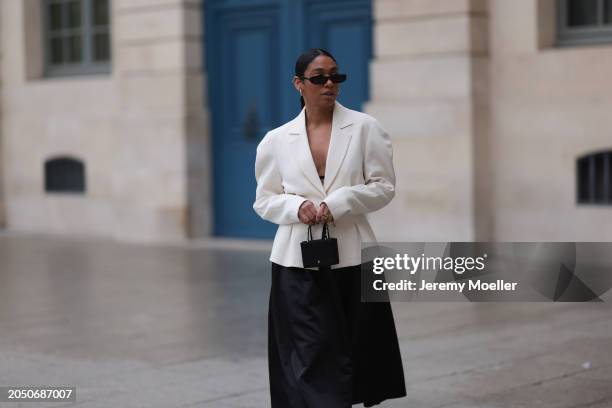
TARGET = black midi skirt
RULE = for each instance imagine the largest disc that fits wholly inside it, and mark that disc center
(326, 348)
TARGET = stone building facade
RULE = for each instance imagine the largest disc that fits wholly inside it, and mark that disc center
(135, 128)
(488, 110)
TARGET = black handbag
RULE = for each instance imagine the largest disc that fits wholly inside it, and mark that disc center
(319, 252)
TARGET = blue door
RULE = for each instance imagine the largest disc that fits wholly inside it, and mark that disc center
(251, 48)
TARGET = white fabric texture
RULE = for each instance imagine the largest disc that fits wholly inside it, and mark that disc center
(359, 178)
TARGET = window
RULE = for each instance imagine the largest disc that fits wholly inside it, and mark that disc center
(584, 21)
(594, 178)
(64, 174)
(77, 36)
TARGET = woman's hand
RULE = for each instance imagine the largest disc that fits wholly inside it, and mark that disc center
(324, 215)
(307, 213)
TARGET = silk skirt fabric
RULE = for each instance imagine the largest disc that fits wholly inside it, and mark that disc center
(326, 348)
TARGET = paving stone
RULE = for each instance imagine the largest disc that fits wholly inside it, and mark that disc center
(186, 326)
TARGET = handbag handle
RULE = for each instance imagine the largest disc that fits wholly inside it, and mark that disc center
(324, 234)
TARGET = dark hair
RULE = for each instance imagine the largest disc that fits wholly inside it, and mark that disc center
(306, 58)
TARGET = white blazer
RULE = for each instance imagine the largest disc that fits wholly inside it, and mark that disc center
(359, 178)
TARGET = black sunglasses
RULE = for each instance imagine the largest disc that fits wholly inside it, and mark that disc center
(322, 79)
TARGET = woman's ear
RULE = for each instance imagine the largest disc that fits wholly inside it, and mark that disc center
(296, 82)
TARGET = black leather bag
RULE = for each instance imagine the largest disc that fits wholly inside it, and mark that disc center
(319, 252)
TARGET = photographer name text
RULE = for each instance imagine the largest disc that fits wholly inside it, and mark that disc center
(406, 284)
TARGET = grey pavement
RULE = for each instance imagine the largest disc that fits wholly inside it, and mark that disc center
(186, 326)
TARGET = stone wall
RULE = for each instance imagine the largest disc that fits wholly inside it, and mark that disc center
(549, 106)
(429, 89)
(487, 118)
(2, 209)
(140, 130)
(162, 180)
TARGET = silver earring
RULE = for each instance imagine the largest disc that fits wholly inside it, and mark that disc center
(301, 93)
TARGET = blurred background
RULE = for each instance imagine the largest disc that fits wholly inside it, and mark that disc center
(133, 266)
(138, 119)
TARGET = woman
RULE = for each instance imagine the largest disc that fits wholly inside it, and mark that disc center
(326, 349)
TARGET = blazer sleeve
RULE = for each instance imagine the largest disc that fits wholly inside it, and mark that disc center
(271, 202)
(379, 175)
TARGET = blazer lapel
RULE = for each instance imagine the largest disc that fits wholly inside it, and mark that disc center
(300, 150)
(338, 145)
